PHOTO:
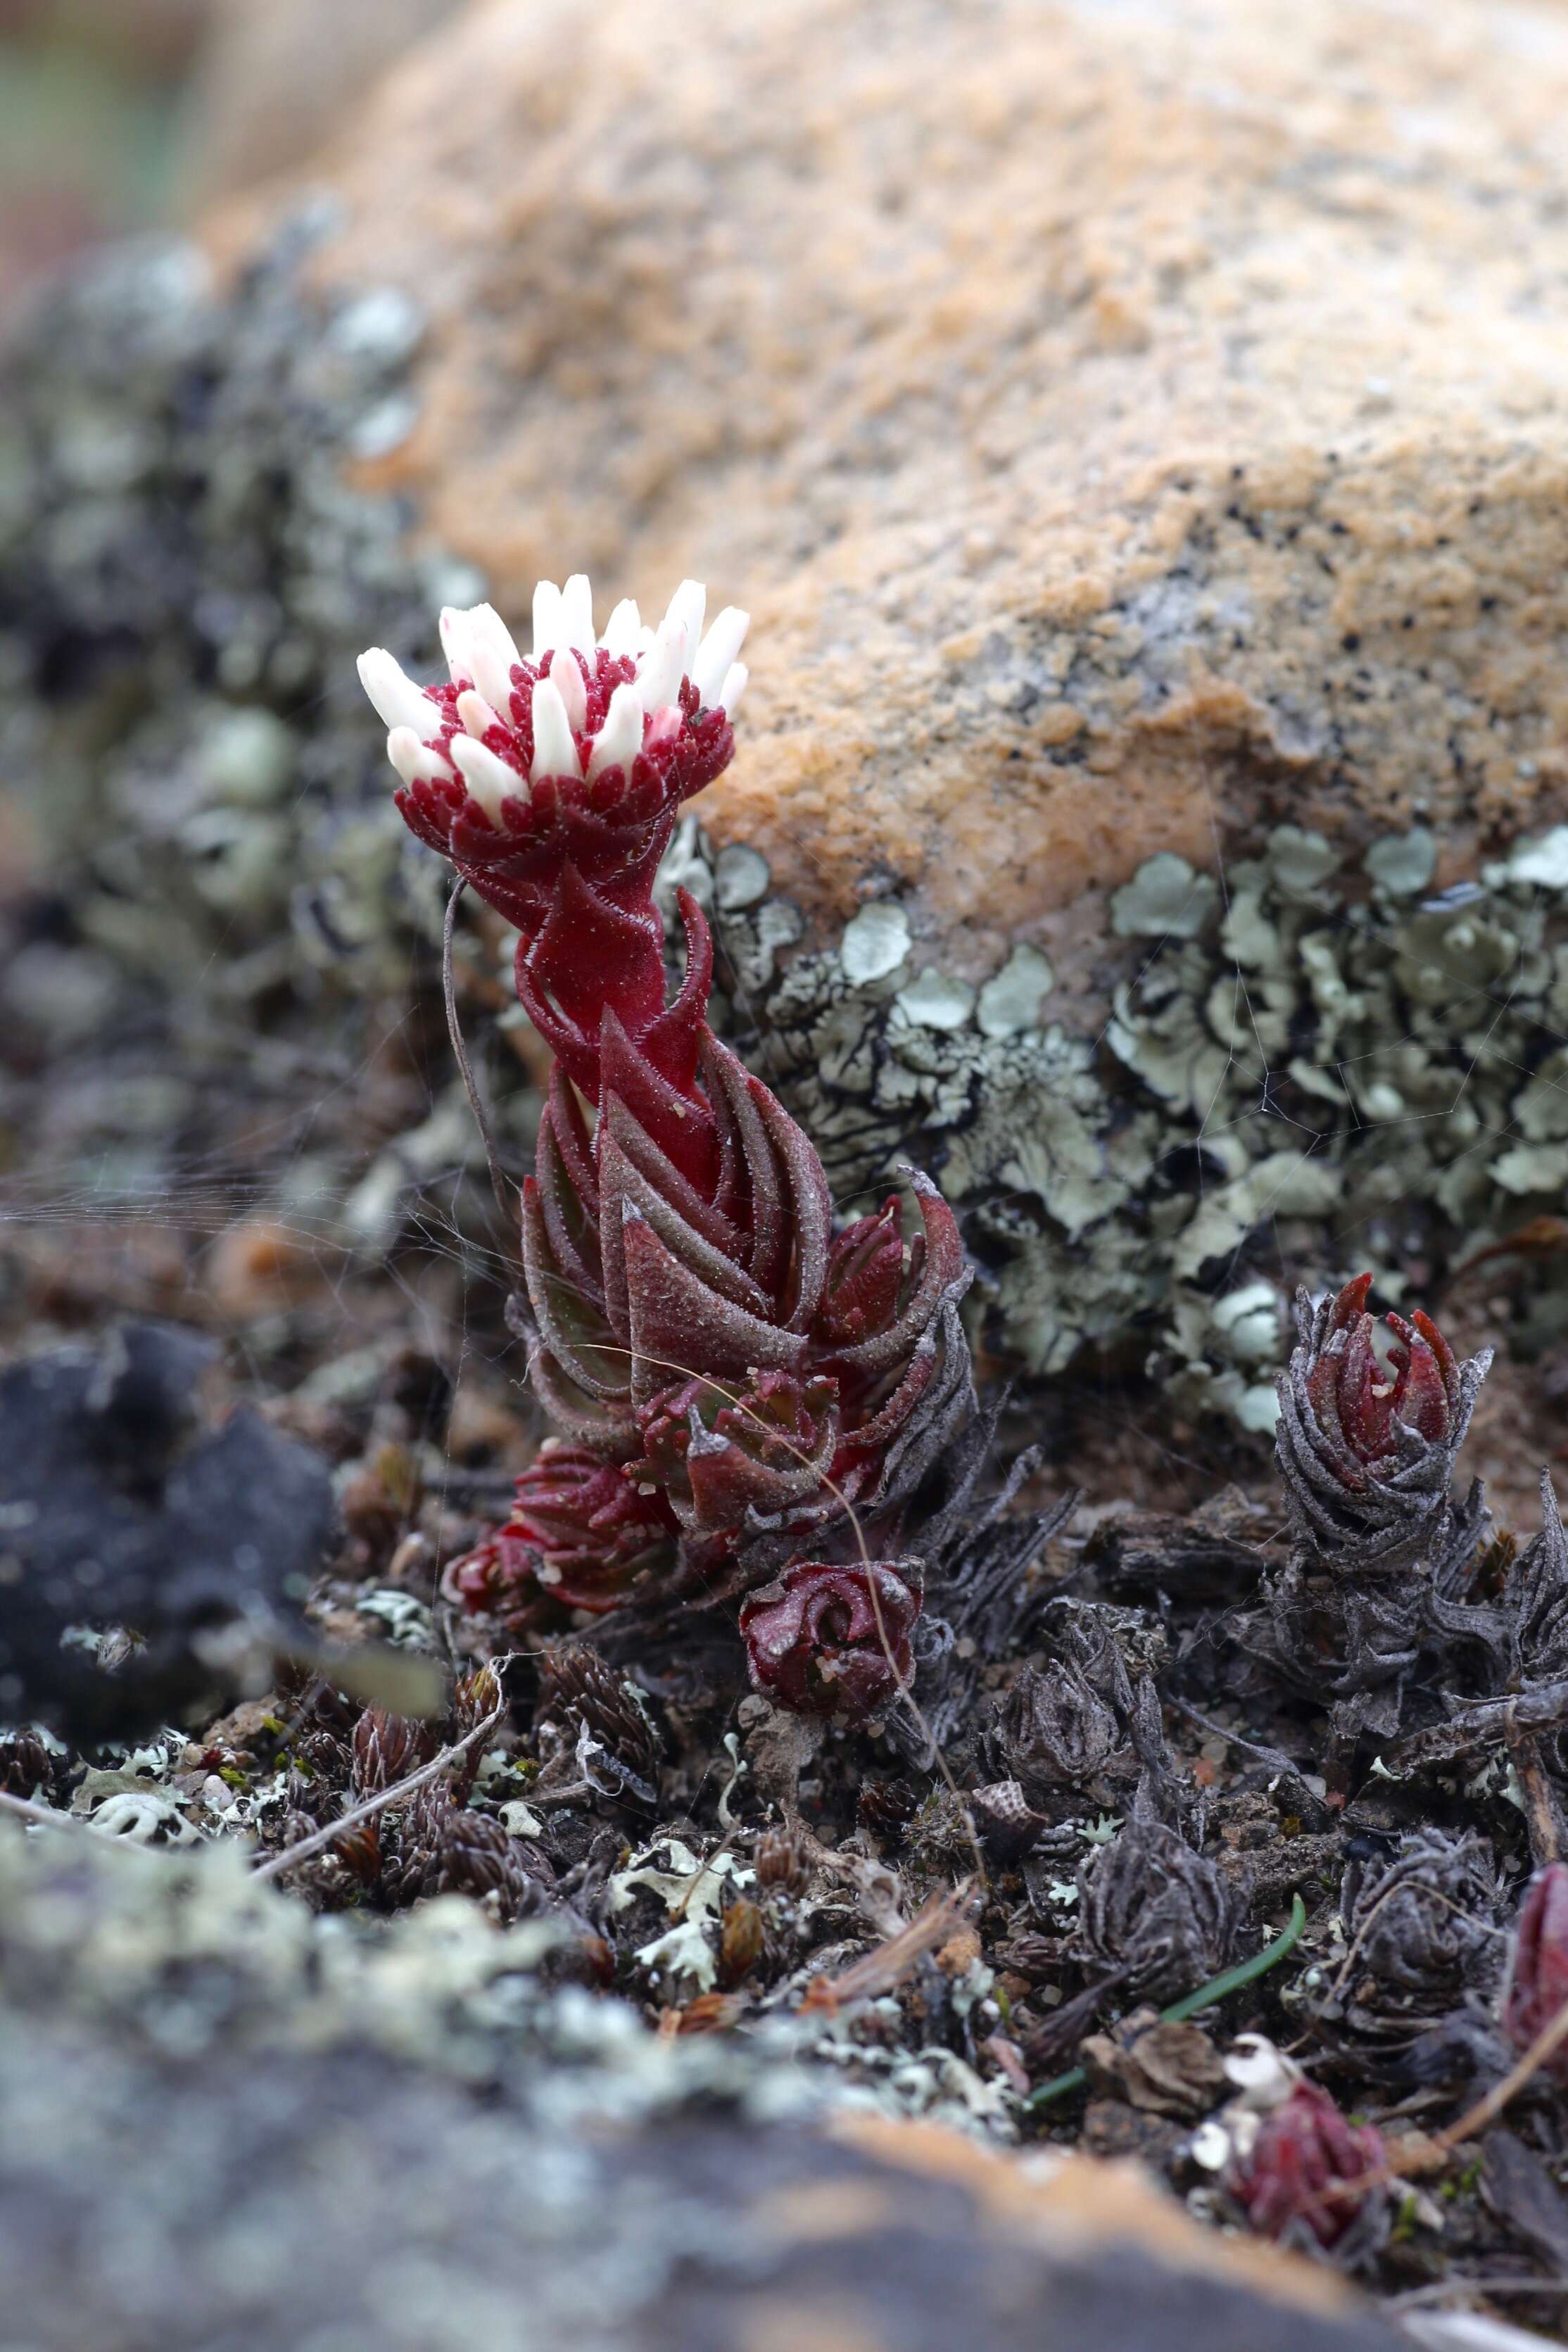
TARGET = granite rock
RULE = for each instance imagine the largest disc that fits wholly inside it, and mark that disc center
(1128, 423)
(224, 2121)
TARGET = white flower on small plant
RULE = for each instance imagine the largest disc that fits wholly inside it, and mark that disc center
(586, 719)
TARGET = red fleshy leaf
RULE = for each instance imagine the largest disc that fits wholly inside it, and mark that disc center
(579, 1534)
(721, 1454)
(1538, 1973)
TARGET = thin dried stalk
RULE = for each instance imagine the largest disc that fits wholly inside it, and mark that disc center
(321, 1839)
(879, 1971)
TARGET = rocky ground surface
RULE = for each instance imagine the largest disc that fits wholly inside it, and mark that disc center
(1146, 814)
(355, 1946)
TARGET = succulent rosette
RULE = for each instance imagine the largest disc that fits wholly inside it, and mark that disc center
(579, 1536)
(687, 1235)
(1305, 2153)
(1367, 1437)
(1154, 1916)
(822, 1639)
(725, 1458)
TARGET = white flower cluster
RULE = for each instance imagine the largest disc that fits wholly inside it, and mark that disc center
(482, 658)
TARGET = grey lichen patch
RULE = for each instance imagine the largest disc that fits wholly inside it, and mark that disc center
(1165, 898)
(875, 943)
(1312, 1064)
(934, 1002)
(1010, 1000)
(1403, 863)
(187, 1950)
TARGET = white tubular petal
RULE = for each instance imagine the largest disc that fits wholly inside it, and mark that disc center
(687, 607)
(547, 630)
(456, 642)
(399, 701)
(659, 679)
(577, 613)
(567, 678)
(476, 714)
(412, 758)
(664, 724)
(717, 652)
(554, 752)
(620, 737)
(489, 781)
(733, 687)
(493, 653)
(624, 628)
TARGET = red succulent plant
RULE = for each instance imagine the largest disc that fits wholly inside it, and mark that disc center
(579, 1536)
(827, 1639)
(1367, 1438)
(1537, 1987)
(726, 1456)
(724, 1368)
(1305, 2152)
(1358, 1398)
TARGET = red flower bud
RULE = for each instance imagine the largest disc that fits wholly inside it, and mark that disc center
(1537, 1985)
(823, 1640)
(1304, 2147)
(578, 1536)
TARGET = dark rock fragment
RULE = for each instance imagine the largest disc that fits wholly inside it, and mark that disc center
(121, 1504)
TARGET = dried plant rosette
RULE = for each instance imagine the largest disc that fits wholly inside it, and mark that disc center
(1369, 1429)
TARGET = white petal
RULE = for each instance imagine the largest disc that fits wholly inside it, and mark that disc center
(733, 687)
(476, 714)
(620, 737)
(687, 607)
(717, 652)
(412, 758)
(624, 628)
(577, 613)
(547, 630)
(567, 678)
(554, 752)
(493, 653)
(662, 669)
(664, 724)
(489, 780)
(397, 699)
(456, 642)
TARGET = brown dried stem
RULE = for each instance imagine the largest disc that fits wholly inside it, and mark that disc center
(321, 1839)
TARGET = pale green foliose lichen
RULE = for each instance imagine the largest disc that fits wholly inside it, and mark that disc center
(1308, 1060)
